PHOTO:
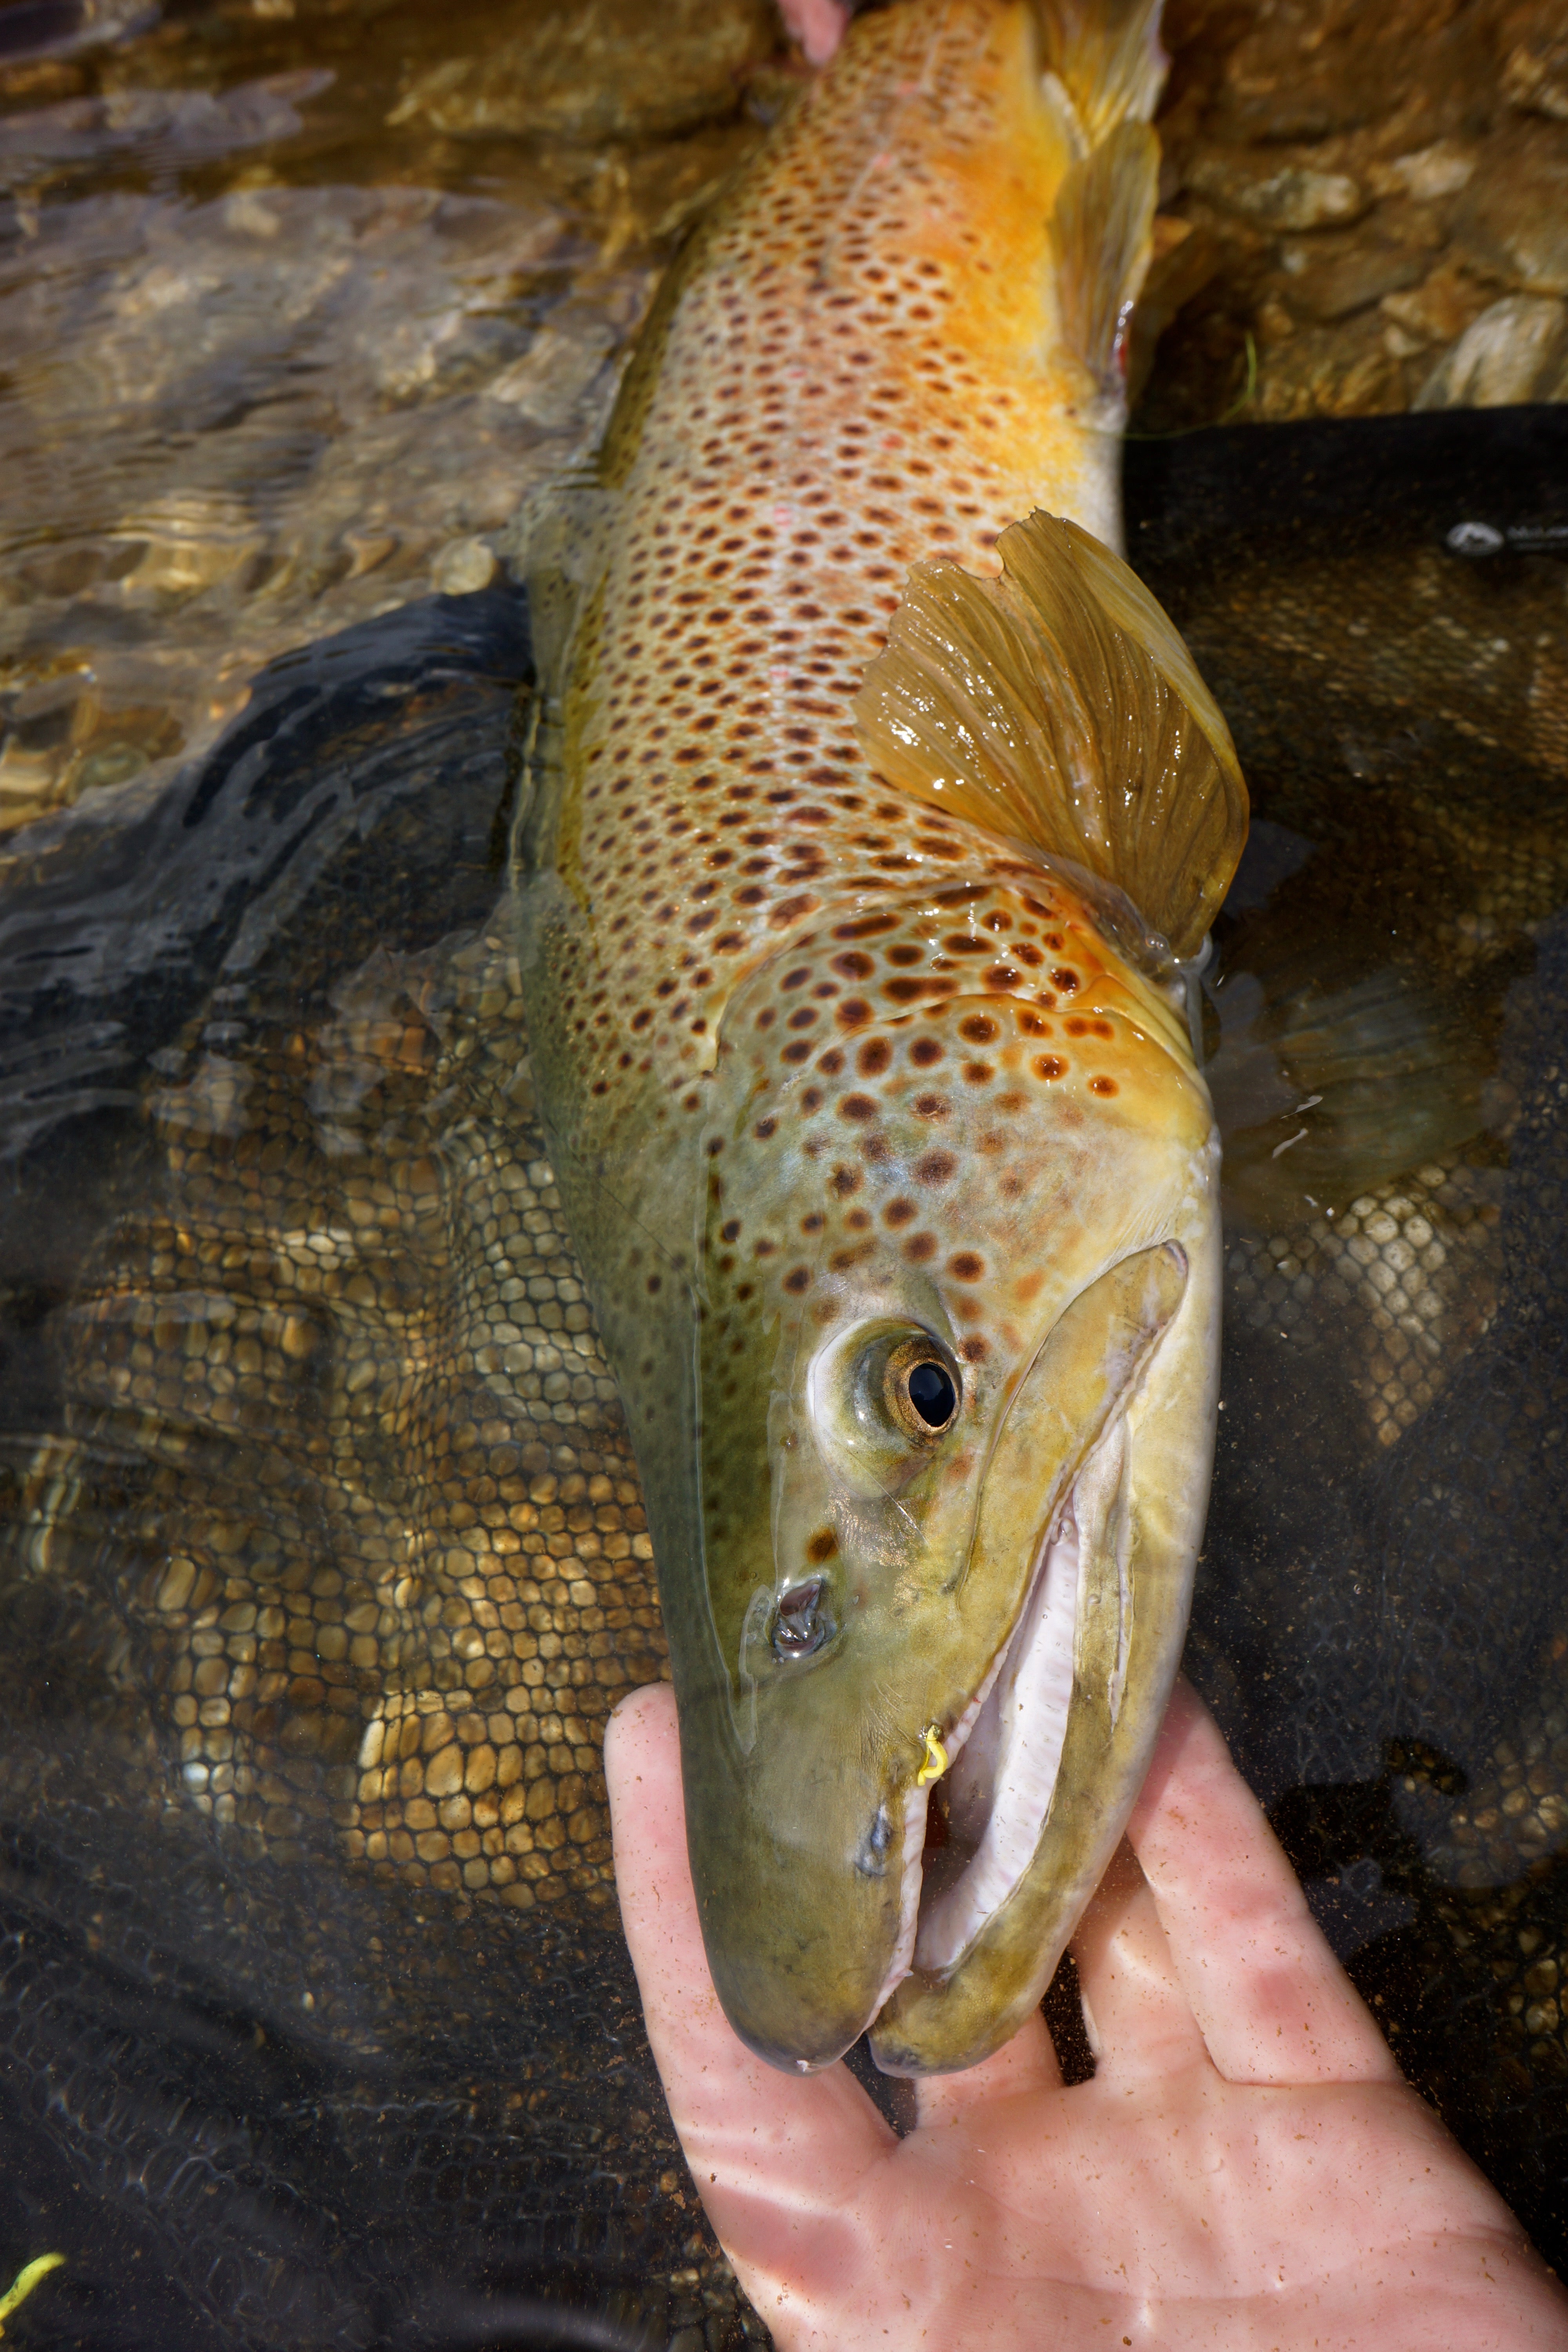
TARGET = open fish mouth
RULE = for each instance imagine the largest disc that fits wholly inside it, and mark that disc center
(971, 1835)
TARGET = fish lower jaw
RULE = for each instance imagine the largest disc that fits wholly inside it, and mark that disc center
(1004, 1754)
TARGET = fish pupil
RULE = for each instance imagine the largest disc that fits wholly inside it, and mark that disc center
(802, 1624)
(932, 1394)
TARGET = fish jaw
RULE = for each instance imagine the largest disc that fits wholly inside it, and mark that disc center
(860, 1591)
(1088, 1674)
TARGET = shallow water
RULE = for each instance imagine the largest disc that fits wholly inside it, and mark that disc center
(323, 1555)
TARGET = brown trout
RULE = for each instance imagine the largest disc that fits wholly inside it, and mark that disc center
(872, 804)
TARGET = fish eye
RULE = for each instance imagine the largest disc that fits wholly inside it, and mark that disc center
(920, 1389)
(802, 1621)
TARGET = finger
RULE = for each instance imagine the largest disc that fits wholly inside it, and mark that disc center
(816, 25)
(1139, 2018)
(764, 2147)
(1273, 2003)
(1027, 2064)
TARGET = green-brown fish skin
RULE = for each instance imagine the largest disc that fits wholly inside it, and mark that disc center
(861, 1110)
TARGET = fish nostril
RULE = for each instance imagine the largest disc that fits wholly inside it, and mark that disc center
(802, 1621)
(932, 1394)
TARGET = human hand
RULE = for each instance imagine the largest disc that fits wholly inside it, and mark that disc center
(1246, 2168)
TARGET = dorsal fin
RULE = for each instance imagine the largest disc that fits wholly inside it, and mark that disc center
(1104, 72)
(1059, 706)
(1102, 234)
(1106, 55)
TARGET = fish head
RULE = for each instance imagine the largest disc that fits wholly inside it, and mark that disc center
(956, 1352)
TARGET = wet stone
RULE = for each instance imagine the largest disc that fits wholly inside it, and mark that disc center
(1512, 222)
(606, 71)
(1365, 186)
(1516, 351)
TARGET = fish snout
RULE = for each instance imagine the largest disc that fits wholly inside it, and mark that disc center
(797, 1868)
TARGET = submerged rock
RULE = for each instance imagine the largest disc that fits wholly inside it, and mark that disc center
(1368, 185)
(607, 70)
(1517, 349)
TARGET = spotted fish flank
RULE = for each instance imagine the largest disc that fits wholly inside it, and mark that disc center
(867, 808)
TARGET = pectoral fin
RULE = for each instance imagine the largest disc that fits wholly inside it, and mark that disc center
(1059, 705)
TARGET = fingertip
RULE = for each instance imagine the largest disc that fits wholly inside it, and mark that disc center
(642, 1780)
(640, 1715)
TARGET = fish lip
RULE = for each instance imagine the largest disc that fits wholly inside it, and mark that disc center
(905, 1955)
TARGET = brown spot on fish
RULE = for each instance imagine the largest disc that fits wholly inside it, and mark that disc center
(965, 1266)
(1063, 977)
(978, 1072)
(873, 1057)
(1103, 1085)
(935, 1167)
(797, 1278)
(897, 1212)
(822, 1547)
(974, 1349)
(853, 1012)
(854, 965)
(831, 1062)
(857, 1107)
(920, 1247)
(932, 1106)
(868, 926)
(925, 1052)
(978, 1028)
(1049, 1066)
